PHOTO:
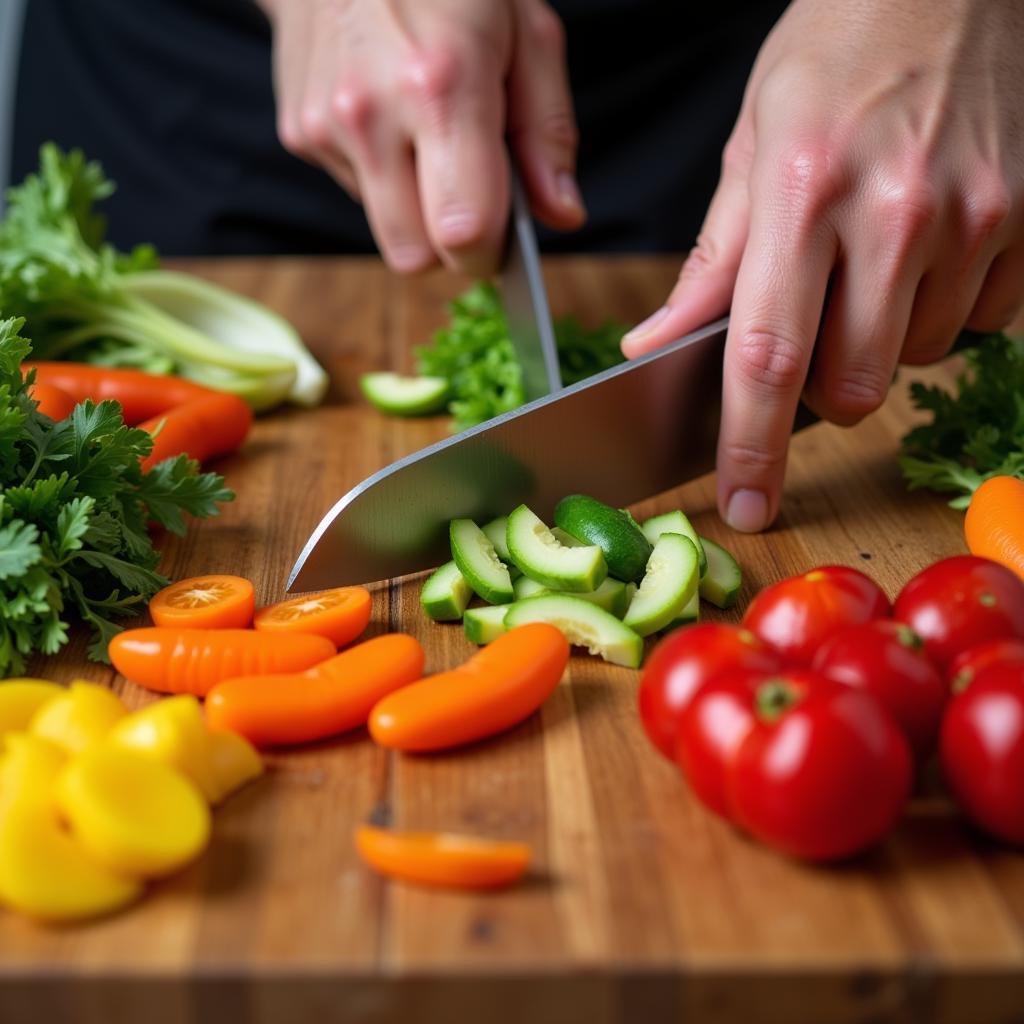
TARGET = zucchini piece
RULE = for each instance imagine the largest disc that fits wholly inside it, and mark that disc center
(445, 594)
(611, 595)
(582, 623)
(536, 551)
(613, 530)
(404, 396)
(483, 625)
(688, 616)
(721, 585)
(669, 583)
(495, 531)
(676, 522)
(477, 560)
(525, 587)
(565, 538)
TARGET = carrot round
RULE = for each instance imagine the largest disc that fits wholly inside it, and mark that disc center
(498, 687)
(53, 401)
(340, 614)
(441, 858)
(994, 525)
(332, 697)
(195, 660)
(203, 428)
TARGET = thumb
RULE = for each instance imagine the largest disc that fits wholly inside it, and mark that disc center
(541, 122)
(707, 278)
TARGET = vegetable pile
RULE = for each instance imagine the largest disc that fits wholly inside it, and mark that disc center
(86, 302)
(803, 726)
(75, 504)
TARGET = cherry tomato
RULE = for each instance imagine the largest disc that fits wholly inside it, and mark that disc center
(214, 601)
(796, 614)
(982, 750)
(960, 602)
(684, 661)
(886, 658)
(823, 773)
(967, 664)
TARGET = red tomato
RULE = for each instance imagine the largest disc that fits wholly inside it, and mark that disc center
(967, 664)
(887, 659)
(684, 661)
(823, 773)
(796, 614)
(960, 602)
(982, 750)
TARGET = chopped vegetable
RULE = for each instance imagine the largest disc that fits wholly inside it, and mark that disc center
(676, 522)
(404, 396)
(994, 525)
(205, 602)
(478, 562)
(440, 858)
(29, 768)
(446, 594)
(88, 303)
(537, 552)
(613, 530)
(340, 615)
(667, 587)
(484, 625)
(20, 699)
(721, 583)
(79, 717)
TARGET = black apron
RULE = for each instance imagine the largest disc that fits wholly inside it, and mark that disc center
(175, 98)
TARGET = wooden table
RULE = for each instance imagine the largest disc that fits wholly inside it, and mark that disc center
(643, 907)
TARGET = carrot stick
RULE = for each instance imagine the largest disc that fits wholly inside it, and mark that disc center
(203, 427)
(53, 401)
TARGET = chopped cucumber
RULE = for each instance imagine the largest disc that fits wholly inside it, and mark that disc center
(565, 538)
(525, 587)
(583, 624)
(669, 583)
(482, 625)
(536, 551)
(676, 522)
(613, 530)
(477, 560)
(611, 595)
(445, 594)
(689, 615)
(404, 396)
(721, 585)
(495, 531)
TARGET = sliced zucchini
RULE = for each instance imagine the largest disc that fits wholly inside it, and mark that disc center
(536, 551)
(404, 396)
(445, 594)
(611, 595)
(525, 587)
(613, 530)
(721, 585)
(676, 522)
(669, 583)
(477, 560)
(495, 531)
(482, 625)
(565, 538)
(689, 615)
(583, 624)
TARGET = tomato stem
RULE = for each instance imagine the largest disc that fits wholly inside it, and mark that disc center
(774, 698)
(908, 638)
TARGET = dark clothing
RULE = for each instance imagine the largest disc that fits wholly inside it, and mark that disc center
(174, 97)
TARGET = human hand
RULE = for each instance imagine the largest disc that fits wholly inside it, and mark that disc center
(878, 156)
(407, 105)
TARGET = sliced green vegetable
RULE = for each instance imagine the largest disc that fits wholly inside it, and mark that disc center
(525, 587)
(404, 396)
(667, 587)
(496, 530)
(611, 595)
(676, 522)
(689, 615)
(484, 625)
(583, 624)
(446, 594)
(723, 580)
(537, 553)
(478, 562)
(566, 539)
(613, 530)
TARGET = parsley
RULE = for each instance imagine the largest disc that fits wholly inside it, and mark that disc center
(977, 431)
(74, 510)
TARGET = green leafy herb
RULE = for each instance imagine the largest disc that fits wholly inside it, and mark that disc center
(976, 431)
(74, 512)
(474, 354)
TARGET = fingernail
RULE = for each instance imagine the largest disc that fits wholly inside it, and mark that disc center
(646, 326)
(569, 192)
(747, 511)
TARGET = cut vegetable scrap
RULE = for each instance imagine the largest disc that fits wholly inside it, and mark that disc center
(78, 718)
(676, 522)
(29, 767)
(479, 563)
(484, 625)
(537, 552)
(405, 396)
(626, 549)
(446, 594)
(205, 602)
(340, 615)
(667, 587)
(20, 699)
(723, 581)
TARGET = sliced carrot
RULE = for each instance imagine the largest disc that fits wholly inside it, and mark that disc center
(442, 858)
(994, 526)
(204, 427)
(498, 687)
(332, 697)
(52, 400)
(205, 602)
(340, 615)
(195, 660)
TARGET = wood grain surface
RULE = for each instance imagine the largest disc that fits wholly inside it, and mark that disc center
(643, 907)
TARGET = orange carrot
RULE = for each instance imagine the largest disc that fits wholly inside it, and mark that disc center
(994, 526)
(53, 401)
(195, 660)
(498, 687)
(440, 858)
(329, 698)
(203, 427)
(340, 614)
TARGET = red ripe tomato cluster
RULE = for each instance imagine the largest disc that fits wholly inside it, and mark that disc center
(804, 724)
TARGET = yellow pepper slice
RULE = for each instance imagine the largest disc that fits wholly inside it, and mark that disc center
(233, 762)
(29, 768)
(20, 699)
(79, 717)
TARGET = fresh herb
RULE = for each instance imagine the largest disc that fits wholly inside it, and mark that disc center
(87, 302)
(74, 510)
(474, 354)
(976, 431)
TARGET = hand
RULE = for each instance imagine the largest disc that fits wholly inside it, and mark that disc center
(407, 104)
(878, 155)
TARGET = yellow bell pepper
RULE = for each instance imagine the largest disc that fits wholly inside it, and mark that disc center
(20, 699)
(233, 762)
(79, 717)
(28, 769)
(131, 813)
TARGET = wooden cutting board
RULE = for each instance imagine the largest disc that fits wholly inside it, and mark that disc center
(643, 907)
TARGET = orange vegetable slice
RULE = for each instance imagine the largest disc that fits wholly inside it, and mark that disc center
(340, 615)
(442, 858)
(205, 602)
(994, 526)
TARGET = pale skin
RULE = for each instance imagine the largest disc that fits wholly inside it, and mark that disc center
(870, 205)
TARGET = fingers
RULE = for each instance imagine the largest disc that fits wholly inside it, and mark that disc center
(1002, 295)
(542, 126)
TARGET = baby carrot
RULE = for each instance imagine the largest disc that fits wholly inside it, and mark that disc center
(994, 526)
(52, 400)
(203, 428)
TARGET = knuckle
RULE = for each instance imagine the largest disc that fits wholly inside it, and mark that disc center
(770, 359)
(857, 391)
(909, 207)
(290, 134)
(701, 259)
(810, 178)
(352, 108)
(559, 127)
(757, 456)
(988, 209)
(315, 125)
(434, 76)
